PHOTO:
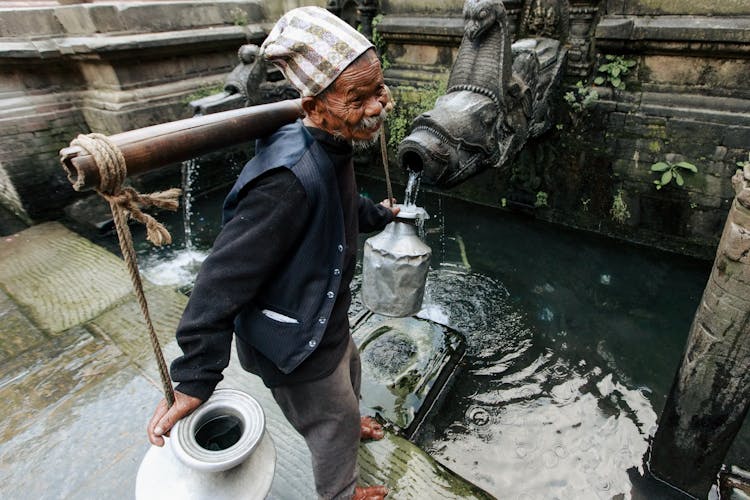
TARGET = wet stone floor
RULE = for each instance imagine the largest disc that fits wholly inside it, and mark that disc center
(78, 383)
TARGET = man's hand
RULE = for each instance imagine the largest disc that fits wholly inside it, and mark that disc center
(163, 419)
(391, 205)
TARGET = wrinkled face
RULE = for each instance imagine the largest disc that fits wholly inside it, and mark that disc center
(353, 107)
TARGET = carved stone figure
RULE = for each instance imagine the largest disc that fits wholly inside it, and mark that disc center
(548, 18)
(498, 97)
(247, 76)
(483, 60)
(251, 82)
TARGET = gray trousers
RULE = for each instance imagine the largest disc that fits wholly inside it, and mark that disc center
(326, 413)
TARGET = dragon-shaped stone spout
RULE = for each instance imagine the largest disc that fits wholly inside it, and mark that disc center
(251, 82)
(498, 97)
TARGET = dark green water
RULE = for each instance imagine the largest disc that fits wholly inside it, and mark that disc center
(573, 341)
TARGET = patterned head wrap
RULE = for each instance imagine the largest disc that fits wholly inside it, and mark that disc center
(312, 47)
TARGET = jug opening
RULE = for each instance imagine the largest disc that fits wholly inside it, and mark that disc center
(216, 432)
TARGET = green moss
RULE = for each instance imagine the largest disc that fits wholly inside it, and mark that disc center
(380, 45)
(202, 92)
(410, 102)
(654, 146)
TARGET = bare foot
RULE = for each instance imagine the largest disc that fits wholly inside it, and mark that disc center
(370, 493)
(369, 428)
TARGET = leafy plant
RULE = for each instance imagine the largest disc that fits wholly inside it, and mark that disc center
(744, 163)
(581, 97)
(614, 71)
(579, 100)
(619, 210)
(541, 199)
(379, 43)
(671, 171)
(239, 16)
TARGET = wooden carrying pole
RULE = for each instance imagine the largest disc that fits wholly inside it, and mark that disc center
(149, 148)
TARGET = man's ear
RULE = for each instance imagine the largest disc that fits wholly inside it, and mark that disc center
(313, 107)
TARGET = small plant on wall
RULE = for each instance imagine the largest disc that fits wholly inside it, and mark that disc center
(669, 171)
(619, 210)
(379, 43)
(580, 100)
(614, 71)
(744, 163)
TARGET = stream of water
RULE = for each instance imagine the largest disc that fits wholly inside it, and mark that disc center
(572, 344)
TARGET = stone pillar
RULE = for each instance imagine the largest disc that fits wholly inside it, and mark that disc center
(710, 395)
(367, 10)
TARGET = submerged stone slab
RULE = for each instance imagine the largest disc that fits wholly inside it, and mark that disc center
(409, 472)
(18, 334)
(126, 327)
(88, 445)
(60, 278)
(50, 375)
(406, 365)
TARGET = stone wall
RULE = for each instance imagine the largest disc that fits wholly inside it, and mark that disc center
(106, 67)
(685, 98)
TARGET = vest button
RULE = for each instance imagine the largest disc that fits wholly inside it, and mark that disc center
(312, 343)
(341, 248)
(330, 295)
(336, 272)
(322, 321)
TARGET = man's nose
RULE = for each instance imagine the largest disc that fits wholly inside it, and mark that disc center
(375, 105)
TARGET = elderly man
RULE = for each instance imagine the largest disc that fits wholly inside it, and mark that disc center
(279, 273)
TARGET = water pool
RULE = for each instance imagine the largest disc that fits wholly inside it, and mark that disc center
(572, 344)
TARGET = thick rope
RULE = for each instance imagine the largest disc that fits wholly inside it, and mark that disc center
(126, 202)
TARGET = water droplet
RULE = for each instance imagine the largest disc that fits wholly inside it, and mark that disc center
(478, 416)
(560, 451)
(550, 459)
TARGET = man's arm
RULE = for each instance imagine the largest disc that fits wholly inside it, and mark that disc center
(269, 221)
(375, 216)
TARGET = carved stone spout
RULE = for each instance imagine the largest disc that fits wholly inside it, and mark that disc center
(251, 82)
(498, 97)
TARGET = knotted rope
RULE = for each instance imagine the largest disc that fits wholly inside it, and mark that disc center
(126, 202)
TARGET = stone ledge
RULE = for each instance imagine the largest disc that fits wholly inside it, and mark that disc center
(690, 28)
(422, 30)
(112, 44)
(88, 19)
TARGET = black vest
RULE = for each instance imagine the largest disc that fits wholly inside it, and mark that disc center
(288, 317)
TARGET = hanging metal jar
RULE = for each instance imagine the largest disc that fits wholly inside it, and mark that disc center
(395, 265)
(220, 452)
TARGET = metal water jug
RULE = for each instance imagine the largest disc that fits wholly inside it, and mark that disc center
(220, 452)
(395, 265)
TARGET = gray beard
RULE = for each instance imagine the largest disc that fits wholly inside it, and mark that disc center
(363, 145)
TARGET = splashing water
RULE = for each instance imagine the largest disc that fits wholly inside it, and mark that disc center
(412, 188)
(189, 171)
(178, 266)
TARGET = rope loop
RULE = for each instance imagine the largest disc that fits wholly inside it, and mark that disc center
(112, 172)
(126, 202)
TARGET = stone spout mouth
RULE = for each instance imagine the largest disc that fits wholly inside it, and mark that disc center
(230, 98)
(221, 434)
(424, 152)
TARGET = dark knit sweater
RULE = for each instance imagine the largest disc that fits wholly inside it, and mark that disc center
(262, 235)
